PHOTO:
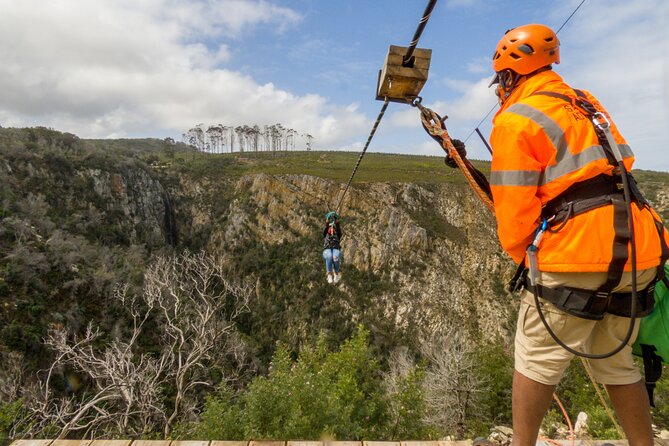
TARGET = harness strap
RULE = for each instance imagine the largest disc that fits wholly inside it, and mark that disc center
(652, 362)
(582, 197)
(621, 241)
(664, 256)
(593, 305)
(652, 369)
(622, 235)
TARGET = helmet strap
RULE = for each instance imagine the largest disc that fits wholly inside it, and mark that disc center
(507, 82)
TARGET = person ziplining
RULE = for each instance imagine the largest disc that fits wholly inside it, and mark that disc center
(392, 78)
(332, 236)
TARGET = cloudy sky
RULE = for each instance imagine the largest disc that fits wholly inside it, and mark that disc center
(155, 68)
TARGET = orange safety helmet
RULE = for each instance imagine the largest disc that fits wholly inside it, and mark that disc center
(526, 49)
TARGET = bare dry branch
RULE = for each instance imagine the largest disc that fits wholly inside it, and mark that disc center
(195, 308)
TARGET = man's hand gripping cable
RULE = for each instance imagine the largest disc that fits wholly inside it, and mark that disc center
(434, 126)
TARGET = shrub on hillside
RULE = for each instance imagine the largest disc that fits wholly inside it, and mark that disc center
(322, 394)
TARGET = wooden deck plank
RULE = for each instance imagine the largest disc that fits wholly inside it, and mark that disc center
(419, 443)
(71, 442)
(455, 442)
(111, 442)
(343, 443)
(150, 443)
(32, 443)
(380, 443)
(228, 443)
(305, 443)
(189, 443)
(267, 443)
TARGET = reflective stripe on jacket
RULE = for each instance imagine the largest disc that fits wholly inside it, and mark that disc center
(541, 146)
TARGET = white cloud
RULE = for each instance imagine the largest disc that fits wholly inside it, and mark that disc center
(223, 17)
(480, 65)
(114, 68)
(623, 59)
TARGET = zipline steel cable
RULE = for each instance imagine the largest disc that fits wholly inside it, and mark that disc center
(407, 59)
(476, 129)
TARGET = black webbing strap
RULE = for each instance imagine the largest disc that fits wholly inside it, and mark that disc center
(593, 305)
(621, 239)
(518, 280)
(582, 197)
(652, 369)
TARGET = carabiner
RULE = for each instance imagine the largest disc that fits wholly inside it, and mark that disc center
(601, 121)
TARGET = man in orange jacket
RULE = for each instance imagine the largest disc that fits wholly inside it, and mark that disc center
(560, 209)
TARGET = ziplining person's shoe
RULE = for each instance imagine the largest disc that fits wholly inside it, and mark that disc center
(330, 278)
(337, 277)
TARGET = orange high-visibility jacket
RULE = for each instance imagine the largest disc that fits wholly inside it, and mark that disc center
(541, 146)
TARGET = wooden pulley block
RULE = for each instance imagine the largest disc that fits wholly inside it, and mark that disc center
(398, 80)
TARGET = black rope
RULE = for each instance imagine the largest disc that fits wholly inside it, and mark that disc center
(479, 124)
(569, 18)
(357, 164)
(406, 60)
(419, 31)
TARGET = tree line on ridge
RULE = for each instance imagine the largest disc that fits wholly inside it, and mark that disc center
(220, 138)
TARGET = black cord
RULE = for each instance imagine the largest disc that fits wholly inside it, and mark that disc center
(357, 164)
(630, 223)
(569, 18)
(406, 60)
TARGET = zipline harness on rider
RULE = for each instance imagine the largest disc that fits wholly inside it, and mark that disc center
(578, 182)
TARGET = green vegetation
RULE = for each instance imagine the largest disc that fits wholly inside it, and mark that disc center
(10, 415)
(322, 394)
(337, 166)
(80, 217)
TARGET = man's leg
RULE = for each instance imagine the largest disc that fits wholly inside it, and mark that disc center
(530, 402)
(633, 409)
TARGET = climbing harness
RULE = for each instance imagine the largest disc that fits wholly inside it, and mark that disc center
(403, 75)
(583, 197)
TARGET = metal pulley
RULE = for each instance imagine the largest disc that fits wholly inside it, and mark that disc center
(401, 78)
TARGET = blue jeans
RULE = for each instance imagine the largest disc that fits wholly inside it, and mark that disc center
(332, 259)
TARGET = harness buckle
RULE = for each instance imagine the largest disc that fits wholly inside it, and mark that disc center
(603, 294)
(600, 121)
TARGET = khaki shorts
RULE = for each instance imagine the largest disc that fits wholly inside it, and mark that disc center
(540, 358)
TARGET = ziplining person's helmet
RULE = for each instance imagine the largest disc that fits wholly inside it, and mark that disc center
(520, 52)
(331, 217)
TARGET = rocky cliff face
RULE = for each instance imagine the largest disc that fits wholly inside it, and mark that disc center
(435, 244)
(419, 259)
